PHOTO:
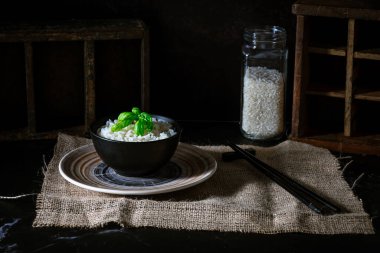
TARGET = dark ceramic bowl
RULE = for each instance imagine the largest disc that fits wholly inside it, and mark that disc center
(135, 158)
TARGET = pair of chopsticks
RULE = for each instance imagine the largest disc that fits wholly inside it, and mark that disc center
(309, 198)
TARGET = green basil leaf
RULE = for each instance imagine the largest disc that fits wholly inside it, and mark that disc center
(118, 126)
(136, 110)
(139, 127)
(124, 120)
(149, 126)
(145, 116)
(147, 120)
(124, 115)
(130, 118)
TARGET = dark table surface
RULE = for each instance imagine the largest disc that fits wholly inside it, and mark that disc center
(21, 173)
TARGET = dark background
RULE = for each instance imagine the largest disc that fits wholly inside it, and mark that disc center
(195, 75)
(195, 50)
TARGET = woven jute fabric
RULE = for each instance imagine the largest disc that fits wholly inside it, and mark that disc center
(235, 198)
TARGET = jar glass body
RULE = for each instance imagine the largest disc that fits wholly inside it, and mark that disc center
(263, 83)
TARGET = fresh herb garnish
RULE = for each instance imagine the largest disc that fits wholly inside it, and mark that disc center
(142, 120)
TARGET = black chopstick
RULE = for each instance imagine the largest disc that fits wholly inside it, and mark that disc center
(309, 198)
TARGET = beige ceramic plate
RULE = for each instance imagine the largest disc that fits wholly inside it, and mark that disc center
(189, 166)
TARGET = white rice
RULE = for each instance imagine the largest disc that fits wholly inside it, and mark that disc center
(263, 102)
(161, 130)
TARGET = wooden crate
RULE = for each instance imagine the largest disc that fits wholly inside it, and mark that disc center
(72, 51)
(336, 92)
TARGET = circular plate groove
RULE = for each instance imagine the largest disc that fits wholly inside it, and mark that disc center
(188, 167)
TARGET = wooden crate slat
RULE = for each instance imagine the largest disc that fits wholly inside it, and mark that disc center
(31, 107)
(334, 8)
(87, 31)
(348, 113)
(145, 89)
(89, 82)
(74, 30)
(298, 77)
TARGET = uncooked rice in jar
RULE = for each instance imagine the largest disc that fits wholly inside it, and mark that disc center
(161, 130)
(263, 102)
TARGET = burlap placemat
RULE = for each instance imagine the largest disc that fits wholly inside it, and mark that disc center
(235, 198)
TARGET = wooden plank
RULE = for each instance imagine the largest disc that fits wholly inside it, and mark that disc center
(24, 134)
(145, 72)
(369, 95)
(326, 91)
(71, 36)
(348, 109)
(299, 78)
(328, 51)
(338, 9)
(369, 144)
(89, 82)
(369, 54)
(73, 31)
(297, 85)
(30, 99)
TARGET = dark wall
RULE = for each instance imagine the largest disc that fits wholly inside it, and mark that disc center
(195, 45)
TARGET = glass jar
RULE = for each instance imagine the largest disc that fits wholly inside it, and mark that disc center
(263, 81)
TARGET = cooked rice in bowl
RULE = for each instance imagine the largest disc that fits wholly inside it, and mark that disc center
(161, 130)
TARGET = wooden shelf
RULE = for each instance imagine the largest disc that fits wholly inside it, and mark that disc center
(369, 95)
(369, 54)
(327, 51)
(373, 95)
(333, 93)
(367, 144)
(325, 91)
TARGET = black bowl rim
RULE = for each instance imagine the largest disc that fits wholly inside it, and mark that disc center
(105, 119)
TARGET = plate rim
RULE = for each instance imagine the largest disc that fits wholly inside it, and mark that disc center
(203, 177)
